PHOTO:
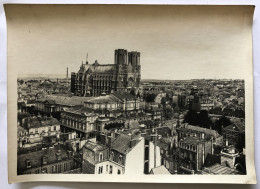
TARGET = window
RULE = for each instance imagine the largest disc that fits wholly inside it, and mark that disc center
(65, 167)
(120, 159)
(100, 170)
(118, 172)
(28, 163)
(49, 128)
(100, 157)
(112, 156)
(44, 160)
(111, 169)
(54, 128)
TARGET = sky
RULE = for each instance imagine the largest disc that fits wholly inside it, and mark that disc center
(175, 42)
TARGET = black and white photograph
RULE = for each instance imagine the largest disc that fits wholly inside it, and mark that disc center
(134, 90)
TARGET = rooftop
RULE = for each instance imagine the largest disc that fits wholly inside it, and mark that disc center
(79, 110)
(64, 100)
(160, 170)
(123, 96)
(34, 122)
(94, 146)
(35, 157)
(124, 143)
(108, 99)
(236, 126)
(218, 169)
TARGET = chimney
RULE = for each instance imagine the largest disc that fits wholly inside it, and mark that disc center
(67, 77)
(202, 135)
(226, 142)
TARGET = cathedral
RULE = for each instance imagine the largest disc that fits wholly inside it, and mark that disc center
(101, 79)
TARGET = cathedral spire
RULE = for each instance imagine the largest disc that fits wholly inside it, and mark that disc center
(87, 58)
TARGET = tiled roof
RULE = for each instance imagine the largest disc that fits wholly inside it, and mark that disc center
(122, 143)
(201, 130)
(108, 99)
(236, 126)
(123, 95)
(34, 122)
(36, 157)
(79, 110)
(94, 146)
(21, 129)
(218, 169)
(102, 68)
(65, 100)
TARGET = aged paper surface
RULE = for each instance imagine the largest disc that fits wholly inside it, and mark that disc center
(130, 93)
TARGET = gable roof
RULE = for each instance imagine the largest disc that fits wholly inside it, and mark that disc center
(35, 122)
(79, 110)
(94, 146)
(236, 126)
(160, 170)
(35, 157)
(123, 96)
(108, 99)
(124, 143)
(65, 100)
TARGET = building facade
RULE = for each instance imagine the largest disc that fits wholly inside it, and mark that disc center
(96, 79)
(35, 129)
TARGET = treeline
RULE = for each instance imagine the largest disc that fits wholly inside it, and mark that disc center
(202, 119)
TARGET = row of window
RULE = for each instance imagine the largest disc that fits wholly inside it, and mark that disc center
(110, 170)
(188, 146)
(59, 168)
(36, 130)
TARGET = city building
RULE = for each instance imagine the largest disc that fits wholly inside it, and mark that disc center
(35, 129)
(56, 159)
(161, 170)
(97, 79)
(122, 101)
(192, 154)
(51, 104)
(196, 131)
(92, 155)
(235, 135)
(82, 120)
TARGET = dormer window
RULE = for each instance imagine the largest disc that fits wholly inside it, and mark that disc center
(28, 163)
(100, 157)
(44, 160)
(112, 156)
(120, 159)
(70, 154)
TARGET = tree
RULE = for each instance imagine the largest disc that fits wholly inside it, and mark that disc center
(204, 120)
(191, 117)
(163, 101)
(149, 97)
(168, 112)
(222, 121)
(114, 126)
(132, 92)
